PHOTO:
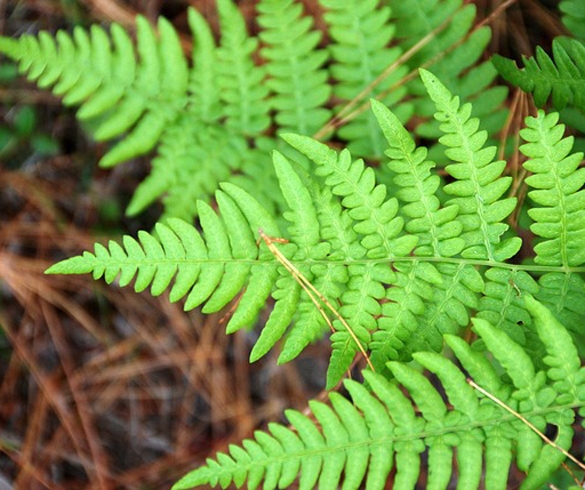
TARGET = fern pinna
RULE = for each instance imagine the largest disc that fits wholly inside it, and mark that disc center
(238, 92)
(393, 272)
(560, 77)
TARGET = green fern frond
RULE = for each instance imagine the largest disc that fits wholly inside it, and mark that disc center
(454, 288)
(574, 17)
(479, 184)
(361, 32)
(451, 55)
(438, 233)
(294, 65)
(114, 89)
(402, 274)
(209, 268)
(239, 78)
(557, 181)
(361, 443)
(400, 287)
(204, 93)
(562, 77)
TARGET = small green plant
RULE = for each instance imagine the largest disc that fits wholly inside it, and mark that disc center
(21, 132)
(394, 263)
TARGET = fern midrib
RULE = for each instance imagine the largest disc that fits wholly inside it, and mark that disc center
(457, 261)
(348, 262)
(563, 205)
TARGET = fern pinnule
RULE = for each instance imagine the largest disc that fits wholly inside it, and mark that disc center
(262, 275)
(156, 98)
(557, 183)
(297, 79)
(562, 355)
(304, 231)
(123, 63)
(437, 230)
(204, 94)
(208, 268)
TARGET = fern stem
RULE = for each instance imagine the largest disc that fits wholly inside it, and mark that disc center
(308, 287)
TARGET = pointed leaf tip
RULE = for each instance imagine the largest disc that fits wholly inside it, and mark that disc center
(200, 476)
(74, 265)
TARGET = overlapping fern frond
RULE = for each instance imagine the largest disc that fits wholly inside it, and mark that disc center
(297, 79)
(557, 187)
(453, 47)
(574, 17)
(122, 89)
(361, 53)
(362, 441)
(562, 77)
(248, 88)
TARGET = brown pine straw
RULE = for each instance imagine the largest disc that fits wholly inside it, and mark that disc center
(102, 387)
(97, 373)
